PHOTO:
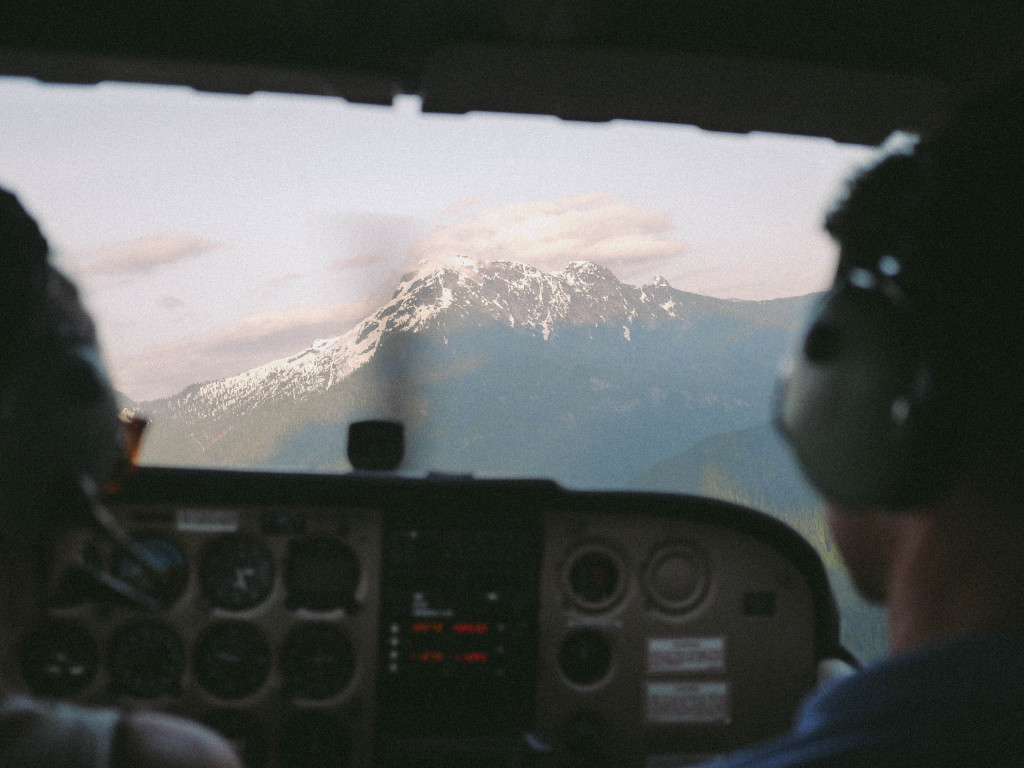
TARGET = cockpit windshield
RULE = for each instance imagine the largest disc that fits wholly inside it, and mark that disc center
(601, 304)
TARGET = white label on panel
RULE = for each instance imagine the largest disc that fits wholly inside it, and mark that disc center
(685, 654)
(688, 703)
(207, 520)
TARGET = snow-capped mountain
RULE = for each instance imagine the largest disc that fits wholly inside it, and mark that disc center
(447, 297)
(499, 368)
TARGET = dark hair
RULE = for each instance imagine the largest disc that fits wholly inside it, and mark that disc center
(58, 416)
(23, 268)
(951, 210)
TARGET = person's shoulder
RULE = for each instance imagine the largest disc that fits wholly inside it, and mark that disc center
(158, 740)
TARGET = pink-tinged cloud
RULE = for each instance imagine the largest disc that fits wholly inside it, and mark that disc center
(144, 254)
(549, 234)
(170, 302)
(783, 261)
(359, 261)
(463, 205)
(361, 240)
(281, 280)
(241, 344)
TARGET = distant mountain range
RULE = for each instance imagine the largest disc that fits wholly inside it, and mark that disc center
(499, 368)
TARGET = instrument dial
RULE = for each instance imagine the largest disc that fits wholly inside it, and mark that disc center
(237, 573)
(677, 577)
(147, 660)
(595, 577)
(317, 662)
(585, 656)
(232, 660)
(322, 574)
(58, 659)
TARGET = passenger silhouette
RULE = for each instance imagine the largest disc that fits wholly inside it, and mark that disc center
(904, 408)
(60, 440)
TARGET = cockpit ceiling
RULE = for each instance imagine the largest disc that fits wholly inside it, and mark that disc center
(853, 70)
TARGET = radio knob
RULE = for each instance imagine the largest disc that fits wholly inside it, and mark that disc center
(677, 578)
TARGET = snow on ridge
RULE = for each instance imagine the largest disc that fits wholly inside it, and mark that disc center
(428, 267)
(443, 294)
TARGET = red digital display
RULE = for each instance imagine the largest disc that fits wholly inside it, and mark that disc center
(437, 657)
(427, 657)
(470, 628)
(457, 628)
(428, 628)
(446, 643)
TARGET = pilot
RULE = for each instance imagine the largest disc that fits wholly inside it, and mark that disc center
(60, 439)
(904, 405)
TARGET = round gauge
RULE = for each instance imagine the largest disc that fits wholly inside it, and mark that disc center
(58, 659)
(594, 577)
(146, 660)
(168, 557)
(321, 574)
(317, 662)
(237, 573)
(676, 578)
(232, 659)
(314, 738)
(585, 656)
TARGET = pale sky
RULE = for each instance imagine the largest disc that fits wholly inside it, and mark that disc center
(212, 233)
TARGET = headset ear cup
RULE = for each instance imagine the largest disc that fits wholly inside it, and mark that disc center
(852, 407)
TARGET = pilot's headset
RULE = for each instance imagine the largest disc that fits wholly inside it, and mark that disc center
(61, 438)
(857, 396)
(871, 397)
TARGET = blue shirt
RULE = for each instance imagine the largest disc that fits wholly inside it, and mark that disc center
(957, 703)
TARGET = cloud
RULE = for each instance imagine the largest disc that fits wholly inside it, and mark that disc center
(268, 289)
(170, 302)
(549, 234)
(464, 204)
(365, 259)
(632, 241)
(144, 254)
(636, 244)
(239, 345)
(782, 261)
(360, 240)
(280, 280)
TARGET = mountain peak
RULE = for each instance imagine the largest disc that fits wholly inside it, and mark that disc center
(463, 265)
(447, 295)
(586, 272)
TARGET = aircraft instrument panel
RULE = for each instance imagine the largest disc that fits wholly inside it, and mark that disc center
(363, 620)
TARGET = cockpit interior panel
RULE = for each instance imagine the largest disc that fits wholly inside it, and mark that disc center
(376, 620)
